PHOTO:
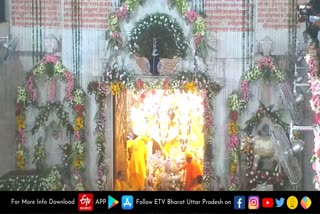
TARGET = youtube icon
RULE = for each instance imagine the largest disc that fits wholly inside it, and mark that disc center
(267, 203)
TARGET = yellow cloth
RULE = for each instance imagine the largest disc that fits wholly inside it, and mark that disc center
(173, 141)
(193, 169)
(120, 185)
(137, 171)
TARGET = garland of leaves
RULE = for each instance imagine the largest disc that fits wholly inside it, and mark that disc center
(118, 80)
(51, 69)
(265, 69)
(169, 34)
(182, 6)
(263, 111)
(44, 113)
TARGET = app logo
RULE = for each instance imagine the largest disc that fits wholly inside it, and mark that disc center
(253, 202)
(292, 202)
(85, 202)
(112, 202)
(305, 202)
(239, 202)
(267, 203)
(279, 202)
(127, 202)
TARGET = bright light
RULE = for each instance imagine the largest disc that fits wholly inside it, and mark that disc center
(174, 120)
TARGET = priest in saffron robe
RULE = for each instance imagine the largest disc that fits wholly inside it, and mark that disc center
(193, 170)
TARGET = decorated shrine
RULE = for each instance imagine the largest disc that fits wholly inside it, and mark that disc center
(168, 95)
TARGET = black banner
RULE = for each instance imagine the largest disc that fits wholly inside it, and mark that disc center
(160, 202)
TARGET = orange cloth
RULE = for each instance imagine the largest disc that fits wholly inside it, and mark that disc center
(198, 187)
(120, 185)
(193, 169)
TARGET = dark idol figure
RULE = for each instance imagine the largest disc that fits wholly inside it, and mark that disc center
(154, 58)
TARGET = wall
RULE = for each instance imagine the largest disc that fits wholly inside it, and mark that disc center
(233, 32)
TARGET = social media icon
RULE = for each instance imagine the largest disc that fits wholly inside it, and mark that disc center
(127, 202)
(239, 202)
(253, 202)
(267, 203)
(112, 202)
(85, 202)
(305, 202)
(279, 202)
(292, 202)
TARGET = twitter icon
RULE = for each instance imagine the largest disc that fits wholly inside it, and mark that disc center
(279, 202)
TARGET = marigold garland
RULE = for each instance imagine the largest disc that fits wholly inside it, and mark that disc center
(266, 70)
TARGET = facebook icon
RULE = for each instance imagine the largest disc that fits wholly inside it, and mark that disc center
(239, 202)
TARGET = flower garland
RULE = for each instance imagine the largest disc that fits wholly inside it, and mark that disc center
(182, 6)
(158, 21)
(313, 77)
(21, 126)
(48, 182)
(39, 156)
(274, 176)
(66, 154)
(51, 68)
(187, 81)
(262, 112)
(44, 113)
(265, 69)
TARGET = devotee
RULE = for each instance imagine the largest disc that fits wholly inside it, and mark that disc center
(199, 185)
(137, 163)
(193, 169)
(120, 183)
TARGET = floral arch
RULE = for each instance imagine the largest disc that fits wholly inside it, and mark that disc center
(131, 18)
(30, 99)
(266, 70)
(119, 81)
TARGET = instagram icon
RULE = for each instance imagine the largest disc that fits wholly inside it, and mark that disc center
(253, 202)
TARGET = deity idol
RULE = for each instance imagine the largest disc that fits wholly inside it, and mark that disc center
(154, 58)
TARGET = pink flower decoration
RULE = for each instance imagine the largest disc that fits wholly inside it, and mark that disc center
(244, 88)
(69, 86)
(192, 16)
(31, 90)
(50, 58)
(77, 136)
(266, 63)
(122, 12)
(197, 39)
(115, 35)
(233, 142)
(52, 90)
(22, 134)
